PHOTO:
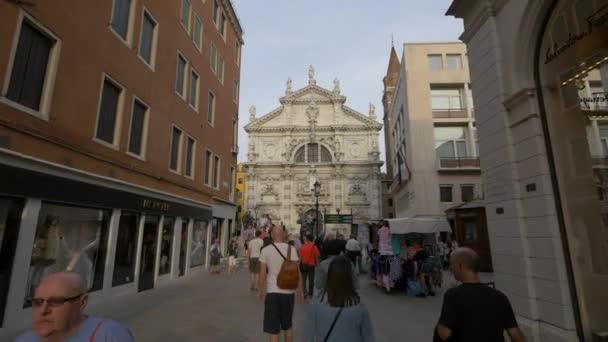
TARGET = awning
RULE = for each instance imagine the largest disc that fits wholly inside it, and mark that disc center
(424, 225)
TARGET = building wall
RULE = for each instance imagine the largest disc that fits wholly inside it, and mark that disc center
(530, 264)
(414, 121)
(66, 137)
(241, 188)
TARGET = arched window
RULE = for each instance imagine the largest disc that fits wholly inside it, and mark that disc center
(312, 153)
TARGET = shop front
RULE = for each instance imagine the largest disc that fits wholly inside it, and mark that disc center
(572, 86)
(540, 85)
(121, 238)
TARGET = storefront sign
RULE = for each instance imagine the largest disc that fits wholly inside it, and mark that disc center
(155, 205)
(597, 19)
(338, 219)
(599, 101)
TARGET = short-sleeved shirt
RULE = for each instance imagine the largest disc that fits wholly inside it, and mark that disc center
(255, 247)
(309, 254)
(273, 261)
(108, 331)
(476, 312)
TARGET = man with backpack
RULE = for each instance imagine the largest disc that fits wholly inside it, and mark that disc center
(278, 284)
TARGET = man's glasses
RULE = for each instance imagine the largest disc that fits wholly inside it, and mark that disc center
(53, 302)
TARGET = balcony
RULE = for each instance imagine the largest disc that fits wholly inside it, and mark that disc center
(459, 163)
(450, 114)
(599, 162)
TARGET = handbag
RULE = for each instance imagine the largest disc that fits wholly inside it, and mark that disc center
(333, 324)
(289, 275)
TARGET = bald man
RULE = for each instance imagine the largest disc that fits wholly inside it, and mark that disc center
(472, 311)
(58, 314)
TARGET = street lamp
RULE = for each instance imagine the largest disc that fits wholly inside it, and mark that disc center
(317, 189)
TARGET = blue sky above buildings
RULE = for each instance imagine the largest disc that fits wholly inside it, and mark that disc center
(347, 39)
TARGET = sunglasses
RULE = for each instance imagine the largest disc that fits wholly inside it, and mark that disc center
(53, 302)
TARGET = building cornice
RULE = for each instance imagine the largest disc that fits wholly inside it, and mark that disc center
(234, 19)
(334, 128)
(476, 13)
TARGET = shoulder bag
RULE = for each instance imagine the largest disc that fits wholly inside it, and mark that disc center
(289, 275)
(333, 324)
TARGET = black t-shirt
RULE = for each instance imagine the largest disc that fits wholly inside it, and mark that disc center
(476, 312)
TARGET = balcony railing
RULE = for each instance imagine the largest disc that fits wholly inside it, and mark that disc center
(599, 161)
(459, 163)
(450, 114)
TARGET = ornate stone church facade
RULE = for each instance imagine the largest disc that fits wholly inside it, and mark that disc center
(313, 137)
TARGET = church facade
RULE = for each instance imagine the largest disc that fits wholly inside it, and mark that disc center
(314, 137)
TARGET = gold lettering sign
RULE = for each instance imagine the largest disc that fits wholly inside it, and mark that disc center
(155, 205)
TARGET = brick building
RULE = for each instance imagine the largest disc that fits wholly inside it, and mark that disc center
(118, 142)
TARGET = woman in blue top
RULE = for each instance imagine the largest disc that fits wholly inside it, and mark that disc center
(339, 305)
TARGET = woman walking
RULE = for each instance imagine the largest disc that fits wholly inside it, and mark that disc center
(338, 315)
(215, 257)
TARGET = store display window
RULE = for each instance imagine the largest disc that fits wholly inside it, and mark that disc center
(126, 249)
(10, 220)
(183, 248)
(69, 238)
(199, 244)
(166, 246)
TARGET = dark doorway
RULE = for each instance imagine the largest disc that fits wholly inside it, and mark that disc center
(10, 220)
(148, 253)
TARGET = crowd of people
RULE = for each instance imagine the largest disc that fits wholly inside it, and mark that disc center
(322, 271)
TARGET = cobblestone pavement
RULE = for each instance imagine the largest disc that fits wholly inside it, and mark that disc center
(220, 308)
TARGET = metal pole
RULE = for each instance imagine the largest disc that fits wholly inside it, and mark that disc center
(317, 208)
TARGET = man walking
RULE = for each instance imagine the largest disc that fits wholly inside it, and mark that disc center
(253, 254)
(58, 314)
(353, 251)
(474, 312)
(309, 259)
(278, 303)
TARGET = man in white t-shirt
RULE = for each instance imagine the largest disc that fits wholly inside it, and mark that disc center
(253, 254)
(278, 303)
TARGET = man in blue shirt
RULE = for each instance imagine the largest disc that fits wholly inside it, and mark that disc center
(58, 314)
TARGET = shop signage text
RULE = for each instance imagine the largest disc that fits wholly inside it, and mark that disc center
(598, 18)
(600, 100)
(337, 219)
(155, 205)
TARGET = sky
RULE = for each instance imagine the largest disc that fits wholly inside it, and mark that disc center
(347, 39)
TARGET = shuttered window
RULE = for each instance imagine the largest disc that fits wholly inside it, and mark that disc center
(29, 68)
(106, 121)
(147, 38)
(138, 121)
(120, 17)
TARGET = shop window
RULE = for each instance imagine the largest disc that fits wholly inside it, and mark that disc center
(126, 249)
(166, 246)
(183, 248)
(69, 239)
(10, 221)
(445, 193)
(198, 249)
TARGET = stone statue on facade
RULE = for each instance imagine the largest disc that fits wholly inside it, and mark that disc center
(311, 75)
(252, 113)
(372, 111)
(336, 86)
(288, 89)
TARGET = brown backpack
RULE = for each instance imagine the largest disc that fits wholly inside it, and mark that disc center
(289, 275)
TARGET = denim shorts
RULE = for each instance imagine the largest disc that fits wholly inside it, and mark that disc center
(278, 312)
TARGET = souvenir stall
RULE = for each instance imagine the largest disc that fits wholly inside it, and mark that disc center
(386, 266)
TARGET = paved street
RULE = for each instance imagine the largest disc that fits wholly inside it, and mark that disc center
(222, 309)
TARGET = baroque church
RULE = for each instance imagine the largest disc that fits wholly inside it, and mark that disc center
(314, 137)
